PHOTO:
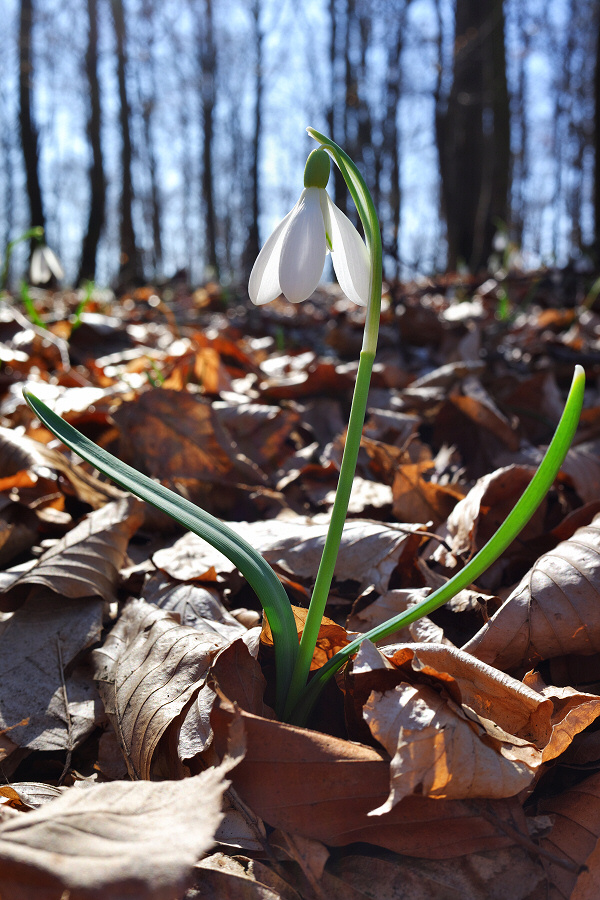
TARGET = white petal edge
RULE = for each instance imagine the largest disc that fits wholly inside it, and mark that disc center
(349, 256)
(263, 285)
(303, 249)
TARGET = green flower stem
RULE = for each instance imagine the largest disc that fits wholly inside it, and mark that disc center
(251, 564)
(364, 204)
(489, 553)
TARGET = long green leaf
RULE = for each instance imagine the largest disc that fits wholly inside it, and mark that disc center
(514, 523)
(251, 564)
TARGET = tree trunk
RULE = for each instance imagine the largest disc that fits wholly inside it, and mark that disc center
(208, 66)
(87, 266)
(130, 268)
(474, 135)
(252, 247)
(597, 142)
(29, 135)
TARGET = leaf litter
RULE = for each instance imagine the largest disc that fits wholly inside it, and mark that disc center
(463, 758)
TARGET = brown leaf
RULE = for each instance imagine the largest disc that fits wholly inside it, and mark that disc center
(239, 878)
(86, 561)
(323, 788)
(463, 730)
(573, 712)
(148, 671)
(22, 454)
(419, 500)
(113, 840)
(173, 435)
(476, 518)
(37, 644)
(574, 838)
(552, 612)
(331, 638)
(498, 875)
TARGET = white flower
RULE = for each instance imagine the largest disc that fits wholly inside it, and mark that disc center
(291, 262)
(44, 265)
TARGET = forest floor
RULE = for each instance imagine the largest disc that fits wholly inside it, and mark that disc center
(461, 756)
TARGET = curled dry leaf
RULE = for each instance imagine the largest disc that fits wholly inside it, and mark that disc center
(552, 612)
(113, 840)
(148, 671)
(86, 561)
(415, 499)
(457, 728)
(478, 516)
(462, 730)
(323, 788)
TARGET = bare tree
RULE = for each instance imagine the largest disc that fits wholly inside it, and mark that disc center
(252, 247)
(29, 134)
(97, 178)
(208, 73)
(130, 267)
(474, 134)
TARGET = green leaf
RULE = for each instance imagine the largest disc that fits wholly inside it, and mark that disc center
(251, 564)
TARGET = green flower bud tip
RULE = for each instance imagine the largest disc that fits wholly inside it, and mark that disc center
(316, 171)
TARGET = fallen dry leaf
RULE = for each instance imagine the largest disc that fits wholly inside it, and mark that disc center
(148, 671)
(120, 840)
(324, 788)
(239, 878)
(498, 875)
(86, 561)
(417, 500)
(37, 684)
(574, 838)
(552, 612)
(175, 436)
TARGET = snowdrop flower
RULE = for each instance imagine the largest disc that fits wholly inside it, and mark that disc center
(44, 265)
(291, 262)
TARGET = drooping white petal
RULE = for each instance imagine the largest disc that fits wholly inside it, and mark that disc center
(263, 285)
(303, 249)
(349, 256)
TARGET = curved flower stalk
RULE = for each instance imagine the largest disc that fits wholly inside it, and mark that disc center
(292, 261)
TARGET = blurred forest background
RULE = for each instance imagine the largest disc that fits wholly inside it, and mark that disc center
(155, 137)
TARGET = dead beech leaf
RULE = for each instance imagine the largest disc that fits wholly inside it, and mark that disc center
(86, 561)
(574, 838)
(369, 551)
(331, 638)
(37, 645)
(148, 670)
(455, 727)
(173, 435)
(439, 752)
(19, 453)
(323, 788)
(417, 500)
(239, 878)
(498, 875)
(476, 518)
(114, 840)
(552, 612)
(390, 604)
(573, 712)
(26, 795)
